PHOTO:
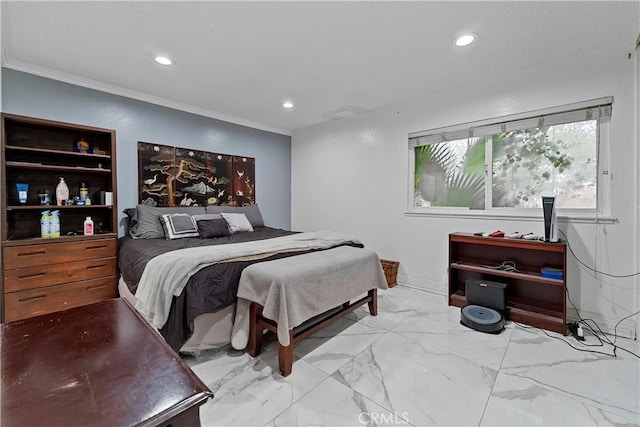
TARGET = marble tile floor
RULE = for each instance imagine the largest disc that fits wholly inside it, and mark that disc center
(415, 365)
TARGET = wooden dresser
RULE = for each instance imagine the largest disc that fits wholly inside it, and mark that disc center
(45, 277)
(45, 274)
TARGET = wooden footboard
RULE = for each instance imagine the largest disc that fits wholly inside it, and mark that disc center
(259, 323)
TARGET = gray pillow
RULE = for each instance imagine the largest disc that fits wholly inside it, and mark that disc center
(237, 222)
(252, 213)
(147, 223)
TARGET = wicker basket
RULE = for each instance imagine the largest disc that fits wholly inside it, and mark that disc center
(390, 271)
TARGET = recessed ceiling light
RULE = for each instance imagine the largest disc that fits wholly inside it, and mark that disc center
(287, 104)
(163, 60)
(465, 39)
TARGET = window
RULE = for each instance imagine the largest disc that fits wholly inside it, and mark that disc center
(506, 165)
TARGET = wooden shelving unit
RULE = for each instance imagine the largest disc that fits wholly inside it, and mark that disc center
(531, 298)
(41, 275)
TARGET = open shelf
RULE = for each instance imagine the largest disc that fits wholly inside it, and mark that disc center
(56, 152)
(54, 207)
(40, 166)
(531, 299)
(532, 315)
(533, 277)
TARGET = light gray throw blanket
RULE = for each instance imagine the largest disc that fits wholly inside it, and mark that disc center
(293, 290)
(166, 275)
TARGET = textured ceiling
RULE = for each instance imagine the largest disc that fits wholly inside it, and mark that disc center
(239, 61)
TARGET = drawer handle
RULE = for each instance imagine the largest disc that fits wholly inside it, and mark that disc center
(94, 288)
(97, 247)
(32, 276)
(42, 252)
(91, 267)
(33, 298)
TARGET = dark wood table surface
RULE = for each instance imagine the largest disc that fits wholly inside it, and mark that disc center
(100, 364)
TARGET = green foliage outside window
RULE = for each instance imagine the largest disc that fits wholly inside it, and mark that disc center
(557, 160)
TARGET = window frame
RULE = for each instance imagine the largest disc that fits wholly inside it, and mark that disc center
(602, 211)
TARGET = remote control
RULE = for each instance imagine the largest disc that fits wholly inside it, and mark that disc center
(531, 237)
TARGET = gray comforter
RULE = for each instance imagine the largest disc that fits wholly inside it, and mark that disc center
(134, 254)
(166, 275)
(209, 290)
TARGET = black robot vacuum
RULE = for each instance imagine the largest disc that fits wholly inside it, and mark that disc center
(486, 305)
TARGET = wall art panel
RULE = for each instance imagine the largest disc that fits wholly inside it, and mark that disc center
(176, 176)
(155, 174)
(244, 178)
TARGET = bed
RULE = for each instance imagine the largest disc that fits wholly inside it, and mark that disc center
(199, 277)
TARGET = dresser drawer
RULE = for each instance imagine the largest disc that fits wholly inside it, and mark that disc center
(20, 305)
(52, 253)
(21, 279)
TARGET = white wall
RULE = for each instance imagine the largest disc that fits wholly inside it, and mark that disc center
(351, 175)
(637, 171)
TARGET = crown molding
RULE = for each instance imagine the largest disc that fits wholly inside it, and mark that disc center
(132, 94)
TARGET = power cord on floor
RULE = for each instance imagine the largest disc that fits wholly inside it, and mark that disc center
(604, 338)
(585, 322)
(567, 342)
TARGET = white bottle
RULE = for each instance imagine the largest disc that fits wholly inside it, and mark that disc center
(88, 226)
(62, 192)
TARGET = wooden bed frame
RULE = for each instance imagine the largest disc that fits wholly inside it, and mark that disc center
(258, 323)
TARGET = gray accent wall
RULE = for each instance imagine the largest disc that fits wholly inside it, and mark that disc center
(133, 120)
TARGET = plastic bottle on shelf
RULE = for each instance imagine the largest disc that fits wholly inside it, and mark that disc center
(84, 191)
(45, 225)
(88, 226)
(54, 224)
(62, 192)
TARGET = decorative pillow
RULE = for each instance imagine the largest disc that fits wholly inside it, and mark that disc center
(179, 225)
(146, 224)
(211, 225)
(251, 211)
(237, 222)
